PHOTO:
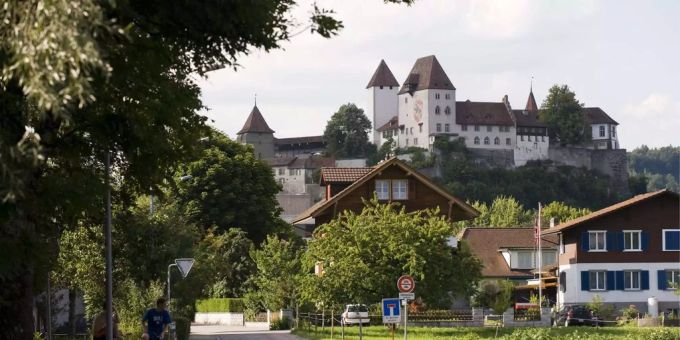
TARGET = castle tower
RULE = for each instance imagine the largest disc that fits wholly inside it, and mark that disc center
(427, 104)
(257, 133)
(382, 98)
(531, 102)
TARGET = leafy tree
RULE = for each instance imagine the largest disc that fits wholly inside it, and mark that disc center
(228, 187)
(561, 213)
(278, 272)
(363, 254)
(346, 134)
(386, 150)
(503, 212)
(662, 161)
(496, 295)
(564, 115)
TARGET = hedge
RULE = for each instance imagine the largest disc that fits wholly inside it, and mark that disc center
(226, 305)
(182, 328)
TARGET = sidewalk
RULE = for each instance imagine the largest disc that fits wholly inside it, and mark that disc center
(220, 332)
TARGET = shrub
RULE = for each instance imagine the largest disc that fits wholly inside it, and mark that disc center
(530, 334)
(224, 305)
(280, 324)
(182, 328)
(662, 334)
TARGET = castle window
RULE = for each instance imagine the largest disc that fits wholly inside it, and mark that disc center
(406, 141)
(437, 110)
(405, 100)
(381, 87)
(390, 87)
(439, 127)
(446, 127)
(447, 110)
(447, 96)
(476, 127)
(436, 96)
(463, 127)
(489, 128)
(420, 127)
(601, 130)
(411, 132)
(521, 137)
(476, 140)
(497, 141)
(487, 141)
(508, 141)
(415, 141)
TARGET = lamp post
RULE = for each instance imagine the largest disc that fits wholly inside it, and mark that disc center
(109, 260)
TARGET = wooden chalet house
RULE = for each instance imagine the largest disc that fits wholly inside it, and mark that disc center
(625, 253)
(391, 181)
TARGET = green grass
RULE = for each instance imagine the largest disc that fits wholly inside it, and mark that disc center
(471, 333)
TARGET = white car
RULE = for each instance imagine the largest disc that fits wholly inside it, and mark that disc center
(355, 314)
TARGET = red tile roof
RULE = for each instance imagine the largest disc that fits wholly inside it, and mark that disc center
(255, 123)
(596, 115)
(382, 76)
(391, 125)
(608, 210)
(486, 243)
(427, 73)
(342, 175)
(482, 113)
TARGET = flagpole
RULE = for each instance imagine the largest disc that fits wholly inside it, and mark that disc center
(540, 258)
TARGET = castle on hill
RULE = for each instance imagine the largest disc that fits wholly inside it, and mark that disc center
(425, 107)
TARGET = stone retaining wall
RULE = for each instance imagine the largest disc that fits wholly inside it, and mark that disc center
(227, 319)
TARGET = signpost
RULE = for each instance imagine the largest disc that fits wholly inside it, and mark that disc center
(391, 310)
(184, 265)
(406, 285)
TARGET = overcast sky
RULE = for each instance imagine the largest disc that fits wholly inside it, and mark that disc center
(623, 56)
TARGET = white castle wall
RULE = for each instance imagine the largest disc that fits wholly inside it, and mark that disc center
(534, 149)
(382, 106)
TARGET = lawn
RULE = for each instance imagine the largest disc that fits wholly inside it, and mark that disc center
(470, 333)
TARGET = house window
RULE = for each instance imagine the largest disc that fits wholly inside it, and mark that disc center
(463, 127)
(489, 128)
(446, 127)
(631, 240)
(437, 110)
(399, 189)
(476, 140)
(291, 172)
(487, 141)
(496, 141)
(597, 279)
(529, 138)
(521, 137)
(415, 141)
(282, 171)
(671, 239)
(382, 189)
(601, 130)
(447, 110)
(508, 141)
(614, 131)
(542, 138)
(524, 260)
(476, 127)
(549, 258)
(596, 241)
(439, 127)
(631, 280)
(672, 279)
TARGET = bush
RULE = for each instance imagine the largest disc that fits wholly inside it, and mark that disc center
(662, 334)
(530, 334)
(280, 324)
(225, 305)
(182, 328)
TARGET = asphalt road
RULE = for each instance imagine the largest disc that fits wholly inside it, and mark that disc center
(200, 332)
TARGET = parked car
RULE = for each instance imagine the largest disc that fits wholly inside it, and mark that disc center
(576, 315)
(355, 314)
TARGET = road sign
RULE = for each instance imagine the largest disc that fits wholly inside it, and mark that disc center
(184, 266)
(406, 284)
(391, 310)
(407, 296)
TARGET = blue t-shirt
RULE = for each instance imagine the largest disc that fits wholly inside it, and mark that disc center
(156, 320)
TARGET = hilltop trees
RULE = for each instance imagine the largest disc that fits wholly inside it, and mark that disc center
(346, 134)
(564, 115)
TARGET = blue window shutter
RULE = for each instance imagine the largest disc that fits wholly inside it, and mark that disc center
(610, 280)
(672, 239)
(620, 241)
(644, 242)
(584, 241)
(644, 280)
(611, 240)
(662, 279)
(585, 280)
(619, 280)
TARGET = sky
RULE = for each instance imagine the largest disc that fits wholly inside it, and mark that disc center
(622, 56)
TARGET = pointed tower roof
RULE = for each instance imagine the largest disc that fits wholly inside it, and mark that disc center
(382, 76)
(531, 102)
(427, 73)
(255, 123)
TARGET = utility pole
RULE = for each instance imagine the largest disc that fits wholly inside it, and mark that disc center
(109, 260)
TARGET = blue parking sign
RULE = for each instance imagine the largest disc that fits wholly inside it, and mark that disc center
(391, 310)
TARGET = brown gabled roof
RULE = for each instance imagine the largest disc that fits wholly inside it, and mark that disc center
(323, 205)
(531, 103)
(299, 140)
(608, 210)
(312, 162)
(528, 118)
(482, 113)
(342, 175)
(280, 161)
(391, 125)
(426, 73)
(595, 115)
(486, 244)
(255, 123)
(382, 76)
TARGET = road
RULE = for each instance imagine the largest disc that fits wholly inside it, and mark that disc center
(201, 332)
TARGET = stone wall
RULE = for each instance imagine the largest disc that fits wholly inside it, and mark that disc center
(613, 163)
(493, 158)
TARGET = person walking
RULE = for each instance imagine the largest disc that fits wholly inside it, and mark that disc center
(155, 321)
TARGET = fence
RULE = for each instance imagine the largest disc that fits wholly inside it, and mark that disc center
(433, 318)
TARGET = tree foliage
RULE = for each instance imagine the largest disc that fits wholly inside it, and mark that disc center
(278, 272)
(346, 134)
(654, 169)
(565, 117)
(229, 188)
(561, 213)
(363, 254)
(496, 295)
